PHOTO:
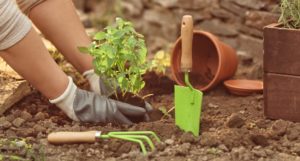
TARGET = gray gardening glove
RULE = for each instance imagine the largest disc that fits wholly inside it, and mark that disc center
(90, 107)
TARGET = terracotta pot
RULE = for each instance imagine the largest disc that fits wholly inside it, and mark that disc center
(213, 61)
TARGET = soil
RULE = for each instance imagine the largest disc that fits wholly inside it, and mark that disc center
(232, 128)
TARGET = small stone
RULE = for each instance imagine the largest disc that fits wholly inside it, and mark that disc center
(235, 121)
(18, 122)
(259, 139)
(187, 138)
(259, 152)
(169, 141)
(26, 115)
(39, 116)
(223, 148)
(211, 105)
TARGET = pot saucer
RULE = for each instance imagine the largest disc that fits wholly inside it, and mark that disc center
(244, 87)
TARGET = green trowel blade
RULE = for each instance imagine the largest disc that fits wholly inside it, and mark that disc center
(188, 104)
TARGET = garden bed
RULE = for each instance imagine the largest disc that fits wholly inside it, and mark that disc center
(232, 128)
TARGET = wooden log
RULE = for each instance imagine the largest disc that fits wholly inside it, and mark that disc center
(11, 93)
(12, 87)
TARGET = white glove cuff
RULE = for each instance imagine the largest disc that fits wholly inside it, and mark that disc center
(66, 100)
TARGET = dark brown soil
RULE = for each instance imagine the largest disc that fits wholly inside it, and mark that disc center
(232, 128)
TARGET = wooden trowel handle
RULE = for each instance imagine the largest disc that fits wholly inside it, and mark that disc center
(186, 42)
(72, 137)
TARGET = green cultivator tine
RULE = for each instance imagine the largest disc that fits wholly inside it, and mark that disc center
(136, 137)
(150, 133)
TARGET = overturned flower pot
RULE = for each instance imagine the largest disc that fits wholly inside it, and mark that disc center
(213, 61)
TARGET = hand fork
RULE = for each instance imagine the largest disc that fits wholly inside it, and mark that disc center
(138, 137)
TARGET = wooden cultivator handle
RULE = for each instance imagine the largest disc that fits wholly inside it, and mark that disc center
(72, 137)
(187, 43)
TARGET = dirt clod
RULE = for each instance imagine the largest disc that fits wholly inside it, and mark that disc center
(259, 139)
(5, 125)
(39, 116)
(39, 128)
(209, 139)
(183, 149)
(293, 133)
(187, 138)
(279, 127)
(259, 152)
(235, 121)
(26, 115)
(18, 122)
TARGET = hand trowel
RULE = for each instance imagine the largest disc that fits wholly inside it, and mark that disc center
(188, 100)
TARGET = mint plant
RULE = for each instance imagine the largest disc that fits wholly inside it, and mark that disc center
(119, 54)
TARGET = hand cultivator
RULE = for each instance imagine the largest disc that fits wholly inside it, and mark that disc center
(139, 137)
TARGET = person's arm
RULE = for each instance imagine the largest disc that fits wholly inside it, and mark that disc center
(22, 48)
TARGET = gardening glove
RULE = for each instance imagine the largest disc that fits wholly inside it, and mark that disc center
(84, 106)
(90, 107)
(97, 84)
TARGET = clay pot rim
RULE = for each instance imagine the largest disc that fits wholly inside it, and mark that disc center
(277, 27)
(256, 83)
(214, 40)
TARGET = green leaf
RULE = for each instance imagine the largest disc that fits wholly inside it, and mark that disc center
(100, 36)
